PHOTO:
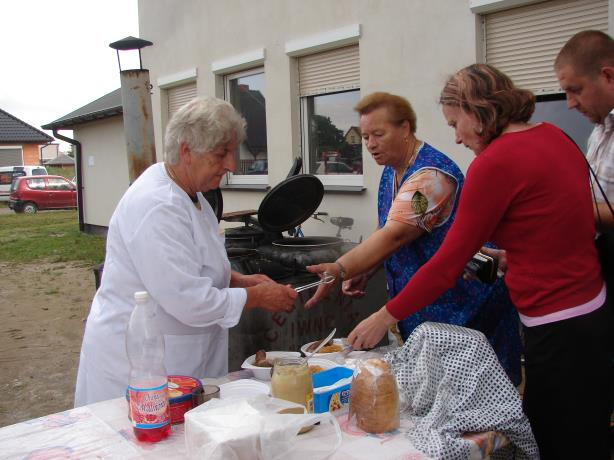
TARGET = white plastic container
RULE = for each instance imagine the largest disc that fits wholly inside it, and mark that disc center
(264, 373)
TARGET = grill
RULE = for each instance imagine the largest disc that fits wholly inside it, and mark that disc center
(264, 248)
(258, 246)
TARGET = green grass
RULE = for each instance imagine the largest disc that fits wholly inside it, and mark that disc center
(50, 236)
(68, 173)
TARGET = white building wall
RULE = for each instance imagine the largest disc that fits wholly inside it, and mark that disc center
(104, 168)
(407, 47)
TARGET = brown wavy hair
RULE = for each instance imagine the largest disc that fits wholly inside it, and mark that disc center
(491, 96)
(399, 108)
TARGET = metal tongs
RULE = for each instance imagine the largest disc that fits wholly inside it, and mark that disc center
(326, 279)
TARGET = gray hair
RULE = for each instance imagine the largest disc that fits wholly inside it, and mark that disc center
(202, 124)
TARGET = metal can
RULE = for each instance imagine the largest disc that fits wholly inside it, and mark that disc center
(291, 380)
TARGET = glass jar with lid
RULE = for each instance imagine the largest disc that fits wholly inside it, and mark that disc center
(291, 380)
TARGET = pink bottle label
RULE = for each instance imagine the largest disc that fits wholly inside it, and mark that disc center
(149, 407)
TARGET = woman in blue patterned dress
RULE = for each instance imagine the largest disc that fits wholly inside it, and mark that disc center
(417, 201)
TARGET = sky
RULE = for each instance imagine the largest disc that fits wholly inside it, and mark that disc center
(56, 56)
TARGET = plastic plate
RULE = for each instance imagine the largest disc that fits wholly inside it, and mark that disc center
(264, 373)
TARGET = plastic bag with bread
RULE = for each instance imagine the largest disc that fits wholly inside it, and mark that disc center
(374, 397)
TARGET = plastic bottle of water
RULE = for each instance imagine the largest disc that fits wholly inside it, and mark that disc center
(148, 384)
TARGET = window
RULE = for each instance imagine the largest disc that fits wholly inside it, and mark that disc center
(55, 183)
(523, 42)
(553, 109)
(179, 96)
(36, 184)
(6, 178)
(329, 85)
(246, 92)
(330, 121)
(11, 156)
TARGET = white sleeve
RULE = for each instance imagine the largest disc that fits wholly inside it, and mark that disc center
(169, 262)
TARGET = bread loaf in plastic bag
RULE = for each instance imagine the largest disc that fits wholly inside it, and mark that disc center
(374, 397)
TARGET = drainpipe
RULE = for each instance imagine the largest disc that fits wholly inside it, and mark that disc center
(77, 145)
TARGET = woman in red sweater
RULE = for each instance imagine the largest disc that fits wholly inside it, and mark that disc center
(527, 191)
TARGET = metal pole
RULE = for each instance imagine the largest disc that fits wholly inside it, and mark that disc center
(138, 123)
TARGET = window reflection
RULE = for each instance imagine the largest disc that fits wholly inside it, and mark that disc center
(246, 93)
(553, 109)
(334, 141)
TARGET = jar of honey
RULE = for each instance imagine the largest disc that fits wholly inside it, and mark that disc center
(291, 380)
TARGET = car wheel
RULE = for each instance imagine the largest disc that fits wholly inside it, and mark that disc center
(30, 208)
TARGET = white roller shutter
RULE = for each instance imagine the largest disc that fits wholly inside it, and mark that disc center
(329, 71)
(179, 95)
(523, 42)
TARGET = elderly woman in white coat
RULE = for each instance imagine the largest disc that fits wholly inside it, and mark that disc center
(163, 238)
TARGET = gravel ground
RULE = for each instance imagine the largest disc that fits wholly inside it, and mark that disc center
(43, 307)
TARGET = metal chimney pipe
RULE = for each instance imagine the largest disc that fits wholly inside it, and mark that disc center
(138, 122)
(136, 102)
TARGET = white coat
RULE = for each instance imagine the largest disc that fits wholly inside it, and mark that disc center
(158, 241)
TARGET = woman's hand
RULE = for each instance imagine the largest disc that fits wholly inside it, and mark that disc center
(371, 330)
(323, 289)
(499, 254)
(356, 287)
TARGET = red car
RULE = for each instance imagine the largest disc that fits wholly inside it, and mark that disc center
(31, 193)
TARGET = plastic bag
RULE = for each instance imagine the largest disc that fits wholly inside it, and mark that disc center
(253, 428)
(374, 397)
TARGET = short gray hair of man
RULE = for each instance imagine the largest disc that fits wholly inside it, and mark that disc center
(202, 124)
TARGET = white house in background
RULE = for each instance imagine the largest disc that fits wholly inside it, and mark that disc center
(48, 152)
(61, 161)
(98, 127)
(295, 69)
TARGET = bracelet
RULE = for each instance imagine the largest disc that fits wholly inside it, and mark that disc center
(342, 271)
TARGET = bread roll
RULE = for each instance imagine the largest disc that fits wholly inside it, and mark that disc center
(374, 398)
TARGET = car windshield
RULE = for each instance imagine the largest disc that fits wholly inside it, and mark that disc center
(258, 167)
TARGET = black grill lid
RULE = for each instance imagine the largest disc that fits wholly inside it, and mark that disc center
(290, 203)
(214, 197)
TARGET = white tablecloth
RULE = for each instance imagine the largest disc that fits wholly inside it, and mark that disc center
(102, 430)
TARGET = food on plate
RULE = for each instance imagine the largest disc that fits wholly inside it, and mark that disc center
(317, 343)
(315, 369)
(374, 398)
(330, 347)
(334, 348)
(261, 361)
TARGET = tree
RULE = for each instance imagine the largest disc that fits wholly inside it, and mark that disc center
(325, 134)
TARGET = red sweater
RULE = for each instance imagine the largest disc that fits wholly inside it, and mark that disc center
(527, 192)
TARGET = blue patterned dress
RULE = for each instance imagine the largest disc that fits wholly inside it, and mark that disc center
(485, 307)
